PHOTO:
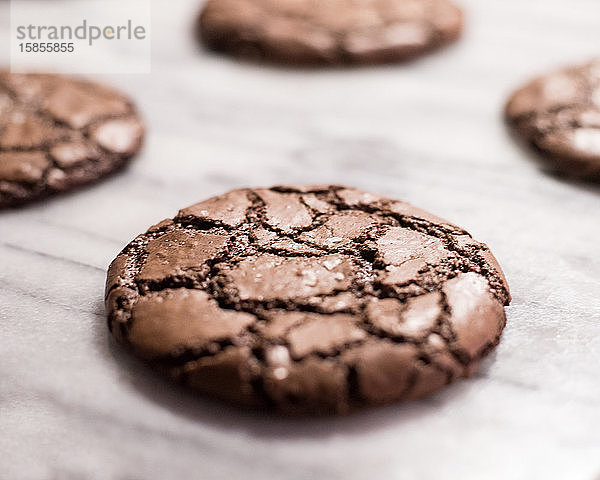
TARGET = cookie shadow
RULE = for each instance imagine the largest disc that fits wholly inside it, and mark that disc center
(193, 407)
(50, 199)
(543, 165)
(254, 58)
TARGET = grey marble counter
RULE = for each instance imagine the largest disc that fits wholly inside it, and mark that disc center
(74, 406)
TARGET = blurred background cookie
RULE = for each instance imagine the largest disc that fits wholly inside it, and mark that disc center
(305, 32)
(559, 114)
(57, 133)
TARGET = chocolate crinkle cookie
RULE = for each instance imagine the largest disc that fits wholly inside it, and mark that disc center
(559, 114)
(313, 32)
(307, 300)
(57, 133)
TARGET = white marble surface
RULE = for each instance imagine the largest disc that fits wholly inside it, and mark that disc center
(74, 406)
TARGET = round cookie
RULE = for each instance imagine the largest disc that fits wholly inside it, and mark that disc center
(312, 32)
(57, 133)
(307, 300)
(559, 114)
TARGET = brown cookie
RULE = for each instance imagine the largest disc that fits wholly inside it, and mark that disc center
(309, 32)
(559, 114)
(307, 300)
(57, 133)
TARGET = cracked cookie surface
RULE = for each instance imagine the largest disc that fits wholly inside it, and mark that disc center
(329, 31)
(559, 114)
(307, 300)
(58, 133)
